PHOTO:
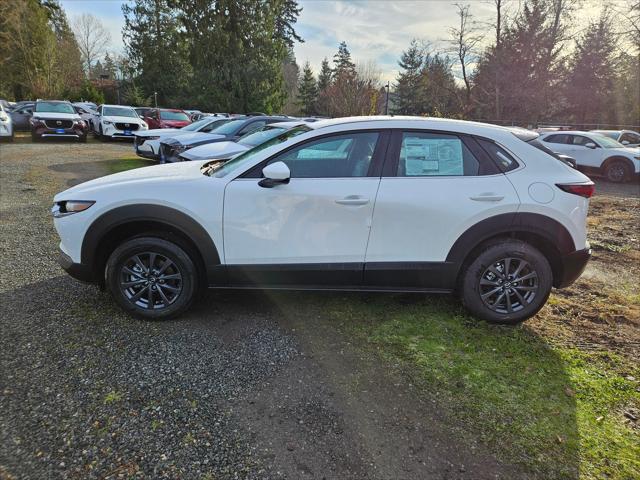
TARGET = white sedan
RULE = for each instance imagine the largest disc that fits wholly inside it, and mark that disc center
(117, 121)
(596, 153)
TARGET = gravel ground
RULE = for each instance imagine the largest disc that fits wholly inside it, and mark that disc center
(244, 386)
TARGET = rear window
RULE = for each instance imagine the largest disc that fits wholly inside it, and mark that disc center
(179, 116)
(503, 159)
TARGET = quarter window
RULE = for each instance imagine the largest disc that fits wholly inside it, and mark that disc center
(435, 155)
(499, 155)
(337, 156)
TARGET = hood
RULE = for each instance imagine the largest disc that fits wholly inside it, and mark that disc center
(115, 119)
(212, 151)
(167, 173)
(56, 116)
(195, 137)
(157, 132)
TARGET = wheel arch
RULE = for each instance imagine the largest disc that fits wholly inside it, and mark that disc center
(545, 233)
(122, 223)
(618, 158)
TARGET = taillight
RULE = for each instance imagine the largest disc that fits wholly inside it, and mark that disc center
(585, 190)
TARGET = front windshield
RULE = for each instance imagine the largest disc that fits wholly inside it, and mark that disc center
(181, 116)
(119, 112)
(261, 136)
(222, 169)
(54, 107)
(229, 128)
(606, 142)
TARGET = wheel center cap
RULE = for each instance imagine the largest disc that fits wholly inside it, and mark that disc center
(507, 284)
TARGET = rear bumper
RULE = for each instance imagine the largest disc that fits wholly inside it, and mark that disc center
(572, 266)
(78, 271)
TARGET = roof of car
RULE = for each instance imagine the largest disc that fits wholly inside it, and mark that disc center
(119, 106)
(168, 109)
(614, 131)
(568, 132)
(52, 101)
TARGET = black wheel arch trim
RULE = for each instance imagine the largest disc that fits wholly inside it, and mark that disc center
(511, 224)
(159, 214)
(617, 158)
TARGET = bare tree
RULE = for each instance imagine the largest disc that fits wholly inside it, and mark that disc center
(92, 38)
(465, 39)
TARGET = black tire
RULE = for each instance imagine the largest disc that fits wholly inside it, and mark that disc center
(617, 171)
(485, 280)
(172, 289)
(103, 138)
(83, 139)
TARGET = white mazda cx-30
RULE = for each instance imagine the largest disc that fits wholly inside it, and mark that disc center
(367, 203)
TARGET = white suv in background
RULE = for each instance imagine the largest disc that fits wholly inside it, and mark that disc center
(595, 153)
(117, 121)
(628, 138)
(399, 204)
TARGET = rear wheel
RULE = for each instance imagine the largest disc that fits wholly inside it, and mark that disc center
(152, 278)
(617, 171)
(508, 282)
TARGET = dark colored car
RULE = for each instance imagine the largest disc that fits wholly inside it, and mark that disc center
(54, 118)
(142, 111)
(171, 148)
(167, 118)
(21, 116)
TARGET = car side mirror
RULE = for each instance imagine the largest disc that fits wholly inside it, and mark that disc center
(590, 145)
(275, 174)
(625, 142)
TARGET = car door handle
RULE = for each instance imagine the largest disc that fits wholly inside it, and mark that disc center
(353, 200)
(487, 197)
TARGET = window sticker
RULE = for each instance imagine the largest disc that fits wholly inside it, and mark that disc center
(432, 156)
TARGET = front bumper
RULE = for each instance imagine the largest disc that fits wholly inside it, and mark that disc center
(144, 150)
(572, 266)
(78, 271)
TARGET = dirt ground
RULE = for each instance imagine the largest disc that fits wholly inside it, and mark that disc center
(245, 386)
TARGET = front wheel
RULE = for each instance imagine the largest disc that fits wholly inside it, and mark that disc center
(508, 282)
(617, 171)
(152, 278)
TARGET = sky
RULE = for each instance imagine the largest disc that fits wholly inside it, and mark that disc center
(375, 30)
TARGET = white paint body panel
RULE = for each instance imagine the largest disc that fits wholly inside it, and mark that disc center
(300, 222)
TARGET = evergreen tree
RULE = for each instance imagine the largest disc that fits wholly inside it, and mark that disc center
(325, 75)
(307, 91)
(408, 88)
(342, 62)
(439, 93)
(590, 82)
(290, 74)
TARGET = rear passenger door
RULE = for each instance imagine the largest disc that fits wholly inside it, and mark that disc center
(435, 185)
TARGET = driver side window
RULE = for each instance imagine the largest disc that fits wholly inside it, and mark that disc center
(337, 156)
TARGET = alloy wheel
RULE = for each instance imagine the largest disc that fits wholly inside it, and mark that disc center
(150, 281)
(508, 285)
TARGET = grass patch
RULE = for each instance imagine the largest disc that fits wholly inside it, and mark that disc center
(558, 411)
(112, 397)
(127, 163)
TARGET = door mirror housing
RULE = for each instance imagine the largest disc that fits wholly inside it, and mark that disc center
(276, 173)
(590, 145)
(625, 142)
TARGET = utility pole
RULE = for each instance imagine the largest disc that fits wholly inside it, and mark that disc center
(155, 98)
(386, 102)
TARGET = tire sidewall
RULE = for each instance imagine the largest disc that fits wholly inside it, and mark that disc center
(163, 247)
(623, 166)
(508, 248)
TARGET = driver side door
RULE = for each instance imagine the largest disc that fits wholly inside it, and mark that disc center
(312, 230)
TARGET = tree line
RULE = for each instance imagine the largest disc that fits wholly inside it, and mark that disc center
(528, 65)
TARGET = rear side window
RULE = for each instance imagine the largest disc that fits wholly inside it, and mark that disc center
(425, 154)
(503, 159)
(563, 138)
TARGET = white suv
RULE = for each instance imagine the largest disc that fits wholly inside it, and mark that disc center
(117, 121)
(595, 153)
(368, 203)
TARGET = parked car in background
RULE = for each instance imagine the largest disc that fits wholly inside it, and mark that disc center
(195, 114)
(86, 113)
(147, 142)
(628, 138)
(6, 125)
(6, 105)
(228, 149)
(21, 117)
(533, 138)
(368, 203)
(117, 121)
(171, 147)
(166, 118)
(142, 111)
(57, 119)
(596, 153)
(22, 103)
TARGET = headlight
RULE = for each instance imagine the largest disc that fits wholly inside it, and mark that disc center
(107, 122)
(69, 207)
(637, 157)
(144, 125)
